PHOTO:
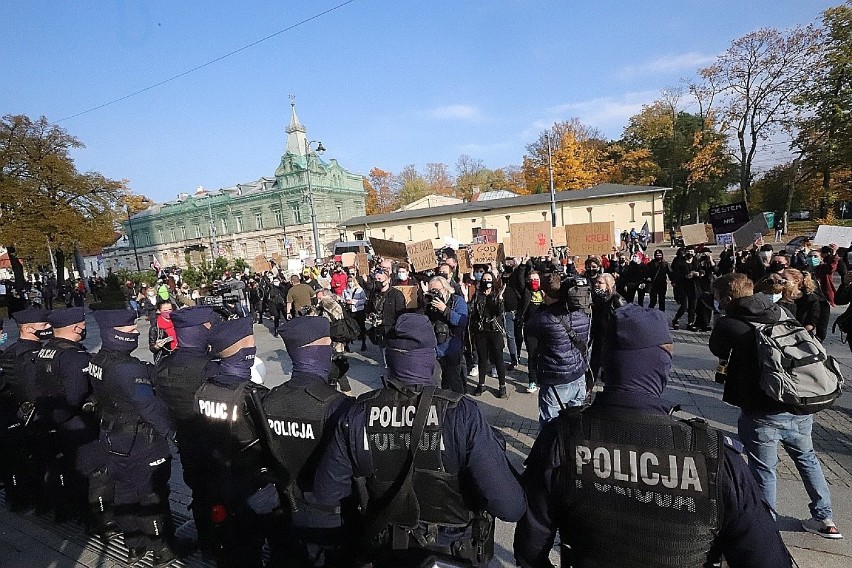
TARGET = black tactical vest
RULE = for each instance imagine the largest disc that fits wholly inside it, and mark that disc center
(178, 378)
(116, 406)
(640, 490)
(295, 419)
(389, 420)
(51, 399)
(17, 363)
(229, 433)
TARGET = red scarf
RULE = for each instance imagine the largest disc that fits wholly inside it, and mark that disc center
(168, 326)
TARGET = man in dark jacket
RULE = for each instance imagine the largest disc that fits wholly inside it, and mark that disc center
(627, 485)
(632, 279)
(441, 505)
(658, 273)
(764, 422)
(384, 306)
(605, 301)
(563, 337)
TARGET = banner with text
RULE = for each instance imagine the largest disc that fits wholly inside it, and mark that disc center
(487, 253)
(530, 239)
(422, 255)
(586, 239)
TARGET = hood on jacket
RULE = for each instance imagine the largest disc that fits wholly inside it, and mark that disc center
(758, 308)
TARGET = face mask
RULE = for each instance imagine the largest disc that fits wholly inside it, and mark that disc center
(635, 260)
(717, 306)
(535, 285)
(813, 260)
(128, 341)
(240, 363)
(486, 285)
(766, 255)
(44, 334)
(83, 334)
(477, 276)
(775, 297)
(600, 294)
(402, 275)
(276, 282)
(3, 337)
(776, 267)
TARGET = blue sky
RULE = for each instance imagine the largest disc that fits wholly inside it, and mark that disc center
(382, 83)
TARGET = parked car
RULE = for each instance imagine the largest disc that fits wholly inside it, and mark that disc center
(796, 243)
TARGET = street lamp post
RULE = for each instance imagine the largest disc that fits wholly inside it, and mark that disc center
(314, 226)
(132, 239)
(552, 190)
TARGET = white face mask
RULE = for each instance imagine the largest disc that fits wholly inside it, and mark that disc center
(717, 306)
(775, 297)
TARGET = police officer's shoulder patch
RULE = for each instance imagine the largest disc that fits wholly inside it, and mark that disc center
(369, 395)
(734, 444)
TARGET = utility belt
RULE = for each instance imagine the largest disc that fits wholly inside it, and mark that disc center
(474, 545)
(121, 435)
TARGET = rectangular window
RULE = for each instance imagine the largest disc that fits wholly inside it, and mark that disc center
(238, 220)
(340, 213)
(183, 232)
(244, 250)
(224, 224)
(297, 213)
(263, 247)
(258, 220)
(172, 231)
(197, 231)
(279, 217)
(147, 238)
(159, 235)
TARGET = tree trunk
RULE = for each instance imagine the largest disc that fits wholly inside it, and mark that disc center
(794, 174)
(60, 267)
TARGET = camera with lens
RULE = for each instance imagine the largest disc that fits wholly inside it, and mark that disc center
(576, 293)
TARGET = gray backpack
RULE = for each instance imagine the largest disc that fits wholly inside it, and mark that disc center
(794, 367)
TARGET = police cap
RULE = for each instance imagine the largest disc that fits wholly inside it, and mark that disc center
(66, 317)
(31, 315)
(228, 332)
(193, 316)
(114, 318)
(301, 331)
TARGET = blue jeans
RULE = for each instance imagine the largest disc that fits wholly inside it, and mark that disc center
(570, 394)
(509, 324)
(760, 434)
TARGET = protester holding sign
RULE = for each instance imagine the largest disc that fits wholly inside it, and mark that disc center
(486, 323)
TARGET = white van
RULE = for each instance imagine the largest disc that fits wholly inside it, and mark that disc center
(351, 246)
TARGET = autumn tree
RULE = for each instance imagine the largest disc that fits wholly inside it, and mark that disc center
(43, 198)
(825, 122)
(381, 196)
(753, 85)
(411, 186)
(470, 175)
(439, 179)
(577, 154)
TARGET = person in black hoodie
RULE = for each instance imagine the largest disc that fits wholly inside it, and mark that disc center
(658, 272)
(764, 422)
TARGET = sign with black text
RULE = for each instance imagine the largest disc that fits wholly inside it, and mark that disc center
(728, 218)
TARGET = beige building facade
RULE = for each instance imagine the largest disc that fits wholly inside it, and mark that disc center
(626, 205)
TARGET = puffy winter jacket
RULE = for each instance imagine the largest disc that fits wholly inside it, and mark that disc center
(559, 361)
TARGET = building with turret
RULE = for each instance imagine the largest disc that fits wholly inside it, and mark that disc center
(270, 217)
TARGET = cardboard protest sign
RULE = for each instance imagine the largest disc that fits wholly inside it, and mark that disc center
(560, 237)
(587, 239)
(693, 234)
(276, 258)
(294, 265)
(410, 293)
(421, 255)
(530, 239)
(260, 264)
(309, 262)
(464, 261)
(486, 253)
(711, 238)
(347, 259)
(388, 249)
(833, 234)
(481, 236)
(507, 246)
(725, 239)
(750, 232)
(362, 263)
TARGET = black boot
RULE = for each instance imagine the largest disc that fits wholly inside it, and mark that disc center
(479, 390)
(511, 366)
(502, 393)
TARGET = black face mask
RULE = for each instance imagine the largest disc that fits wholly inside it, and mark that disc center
(776, 267)
(44, 334)
(486, 285)
(83, 334)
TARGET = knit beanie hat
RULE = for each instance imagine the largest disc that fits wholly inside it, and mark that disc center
(633, 359)
(410, 352)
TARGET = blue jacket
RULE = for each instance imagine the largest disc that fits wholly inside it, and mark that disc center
(456, 318)
(559, 361)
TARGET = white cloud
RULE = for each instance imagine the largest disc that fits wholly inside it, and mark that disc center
(455, 112)
(673, 63)
(607, 114)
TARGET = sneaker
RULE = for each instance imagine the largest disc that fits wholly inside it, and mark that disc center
(494, 372)
(675, 325)
(532, 387)
(825, 529)
(474, 371)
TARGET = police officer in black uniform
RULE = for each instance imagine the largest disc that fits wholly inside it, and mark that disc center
(25, 438)
(300, 418)
(135, 426)
(246, 508)
(435, 498)
(179, 375)
(627, 485)
(79, 480)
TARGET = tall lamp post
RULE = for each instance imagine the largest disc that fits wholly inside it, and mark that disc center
(320, 150)
(132, 239)
(552, 190)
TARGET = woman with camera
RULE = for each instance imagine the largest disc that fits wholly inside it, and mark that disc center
(486, 316)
